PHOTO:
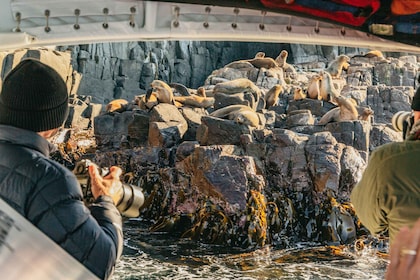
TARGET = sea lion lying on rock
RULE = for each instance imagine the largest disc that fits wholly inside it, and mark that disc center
(180, 88)
(117, 105)
(238, 85)
(195, 101)
(241, 114)
(259, 61)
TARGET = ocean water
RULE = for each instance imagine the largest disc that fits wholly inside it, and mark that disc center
(161, 256)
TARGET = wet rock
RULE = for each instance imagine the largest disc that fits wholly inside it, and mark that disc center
(224, 172)
(352, 133)
(111, 130)
(167, 126)
(193, 118)
(216, 131)
(323, 155)
(286, 161)
(299, 117)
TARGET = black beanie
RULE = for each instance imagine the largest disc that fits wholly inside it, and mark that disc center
(415, 104)
(34, 97)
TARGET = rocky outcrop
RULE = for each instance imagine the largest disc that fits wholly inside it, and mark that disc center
(223, 180)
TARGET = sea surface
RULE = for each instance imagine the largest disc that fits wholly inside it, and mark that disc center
(161, 256)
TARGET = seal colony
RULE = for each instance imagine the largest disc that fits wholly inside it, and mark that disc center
(244, 90)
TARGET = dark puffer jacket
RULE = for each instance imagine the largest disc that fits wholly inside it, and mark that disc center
(50, 197)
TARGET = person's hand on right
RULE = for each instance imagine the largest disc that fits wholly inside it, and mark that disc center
(405, 255)
(108, 185)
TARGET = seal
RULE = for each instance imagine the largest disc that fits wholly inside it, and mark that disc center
(314, 84)
(298, 94)
(240, 65)
(180, 88)
(240, 98)
(346, 111)
(259, 61)
(327, 89)
(195, 101)
(263, 62)
(144, 104)
(241, 114)
(365, 113)
(371, 54)
(272, 96)
(342, 62)
(235, 86)
(281, 60)
(259, 55)
(117, 105)
(238, 85)
(162, 91)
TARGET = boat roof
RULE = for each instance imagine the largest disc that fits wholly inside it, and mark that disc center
(31, 23)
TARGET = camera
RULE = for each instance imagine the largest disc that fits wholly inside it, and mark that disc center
(402, 121)
(131, 201)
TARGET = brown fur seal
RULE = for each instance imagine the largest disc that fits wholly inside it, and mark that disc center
(238, 85)
(314, 85)
(263, 62)
(342, 62)
(235, 86)
(180, 88)
(346, 111)
(195, 101)
(281, 60)
(327, 89)
(259, 61)
(201, 91)
(162, 91)
(117, 105)
(371, 54)
(145, 103)
(240, 64)
(259, 55)
(365, 113)
(241, 114)
(240, 98)
(298, 94)
(272, 96)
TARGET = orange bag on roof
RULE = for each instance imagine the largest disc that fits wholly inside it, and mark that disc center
(405, 7)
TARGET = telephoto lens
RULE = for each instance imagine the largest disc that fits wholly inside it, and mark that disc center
(400, 119)
(131, 201)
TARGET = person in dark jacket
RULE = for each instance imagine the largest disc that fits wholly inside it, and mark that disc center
(387, 198)
(33, 107)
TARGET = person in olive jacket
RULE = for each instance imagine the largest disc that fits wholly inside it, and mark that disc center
(388, 196)
(33, 107)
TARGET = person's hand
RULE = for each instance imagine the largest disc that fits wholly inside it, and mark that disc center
(108, 185)
(405, 254)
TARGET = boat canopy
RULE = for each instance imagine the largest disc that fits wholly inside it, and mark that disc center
(32, 23)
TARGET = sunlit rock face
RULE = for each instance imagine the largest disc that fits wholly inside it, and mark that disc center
(221, 180)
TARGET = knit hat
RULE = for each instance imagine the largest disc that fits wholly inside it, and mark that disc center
(415, 104)
(34, 97)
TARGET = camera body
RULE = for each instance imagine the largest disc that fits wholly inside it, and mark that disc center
(403, 121)
(131, 201)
